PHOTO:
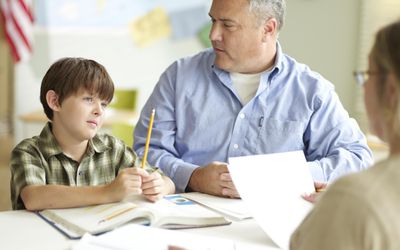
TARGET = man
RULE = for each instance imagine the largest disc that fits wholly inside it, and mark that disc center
(246, 97)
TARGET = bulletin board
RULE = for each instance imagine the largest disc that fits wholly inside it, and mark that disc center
(147, 20)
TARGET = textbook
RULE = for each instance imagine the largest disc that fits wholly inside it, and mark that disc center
(170, 212)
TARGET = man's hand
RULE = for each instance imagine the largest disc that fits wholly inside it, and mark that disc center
(213, 179)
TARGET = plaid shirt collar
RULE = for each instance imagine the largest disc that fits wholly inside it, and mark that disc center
(50, 147)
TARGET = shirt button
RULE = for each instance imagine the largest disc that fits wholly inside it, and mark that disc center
(80, 173)
(235, 146)
(242, 116)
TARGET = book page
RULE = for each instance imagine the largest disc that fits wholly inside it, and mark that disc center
(271, 185)
(176, 211)
(234, 208)
(96, 219)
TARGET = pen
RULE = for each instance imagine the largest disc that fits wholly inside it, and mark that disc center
(319, 190)
(115, 214)
(146, 148)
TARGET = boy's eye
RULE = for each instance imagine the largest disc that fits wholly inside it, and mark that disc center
(104, 104)
(88, 99)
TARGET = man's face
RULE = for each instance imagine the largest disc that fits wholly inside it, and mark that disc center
(236, 36)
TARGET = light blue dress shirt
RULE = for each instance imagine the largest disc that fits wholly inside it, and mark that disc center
(200, 119)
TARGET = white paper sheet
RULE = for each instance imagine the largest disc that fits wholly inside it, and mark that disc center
(133, 236)
(271, 186)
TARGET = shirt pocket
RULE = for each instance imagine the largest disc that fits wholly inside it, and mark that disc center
(279, 136)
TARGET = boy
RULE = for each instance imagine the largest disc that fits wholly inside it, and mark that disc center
(69, 164)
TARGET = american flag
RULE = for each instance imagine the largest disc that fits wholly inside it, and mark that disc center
(17, 20)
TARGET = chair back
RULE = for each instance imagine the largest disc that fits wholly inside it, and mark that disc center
(124, 99)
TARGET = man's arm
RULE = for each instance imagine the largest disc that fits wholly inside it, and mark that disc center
(163, 151)
(335, 145)
(166, 150)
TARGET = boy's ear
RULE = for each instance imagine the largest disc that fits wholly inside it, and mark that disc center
(52, 100)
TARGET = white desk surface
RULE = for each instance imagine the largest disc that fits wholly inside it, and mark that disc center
(25, 230)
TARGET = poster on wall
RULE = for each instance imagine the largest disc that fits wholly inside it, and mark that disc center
(146, 20)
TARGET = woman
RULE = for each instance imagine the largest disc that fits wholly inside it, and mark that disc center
(362, 211)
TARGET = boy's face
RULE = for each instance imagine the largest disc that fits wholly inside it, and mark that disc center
(80, 116)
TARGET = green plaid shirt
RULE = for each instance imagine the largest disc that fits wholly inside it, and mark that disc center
(40, 161)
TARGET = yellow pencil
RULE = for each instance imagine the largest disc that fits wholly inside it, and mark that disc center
(117, 213)
(146, 148)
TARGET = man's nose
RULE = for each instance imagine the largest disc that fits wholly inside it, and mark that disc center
(215, 32)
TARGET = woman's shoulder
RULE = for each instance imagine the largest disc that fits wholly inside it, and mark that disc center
(375, 185)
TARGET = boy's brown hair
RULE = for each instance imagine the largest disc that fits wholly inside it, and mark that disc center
(69, 75)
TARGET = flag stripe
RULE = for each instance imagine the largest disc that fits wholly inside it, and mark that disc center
(14, 50)
(17, 18)
(18, 29)
(27, 10)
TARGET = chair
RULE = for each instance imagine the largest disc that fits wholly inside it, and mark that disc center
(124, 99)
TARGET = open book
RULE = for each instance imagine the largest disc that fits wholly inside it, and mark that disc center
(233, 208)
(173, 212)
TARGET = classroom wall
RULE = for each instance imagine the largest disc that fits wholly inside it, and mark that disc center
(130, 65)
(324, 35)
(320, 33)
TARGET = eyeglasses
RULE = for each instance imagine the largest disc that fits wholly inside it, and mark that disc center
(362, 76)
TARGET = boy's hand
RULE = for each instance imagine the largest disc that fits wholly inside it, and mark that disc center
(127, 182)
(154, 186)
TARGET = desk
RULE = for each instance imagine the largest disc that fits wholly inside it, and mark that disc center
(25, 230)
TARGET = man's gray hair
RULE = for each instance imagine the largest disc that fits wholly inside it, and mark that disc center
(265, 9)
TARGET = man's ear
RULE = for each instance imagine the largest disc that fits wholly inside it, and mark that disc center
(52, 100)
(270, 27)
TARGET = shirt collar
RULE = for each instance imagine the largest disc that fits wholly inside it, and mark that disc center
(50, 147)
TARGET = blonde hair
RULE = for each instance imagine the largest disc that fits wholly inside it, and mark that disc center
(385, 54)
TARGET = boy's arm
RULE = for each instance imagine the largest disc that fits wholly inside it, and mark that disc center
(38, 197)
